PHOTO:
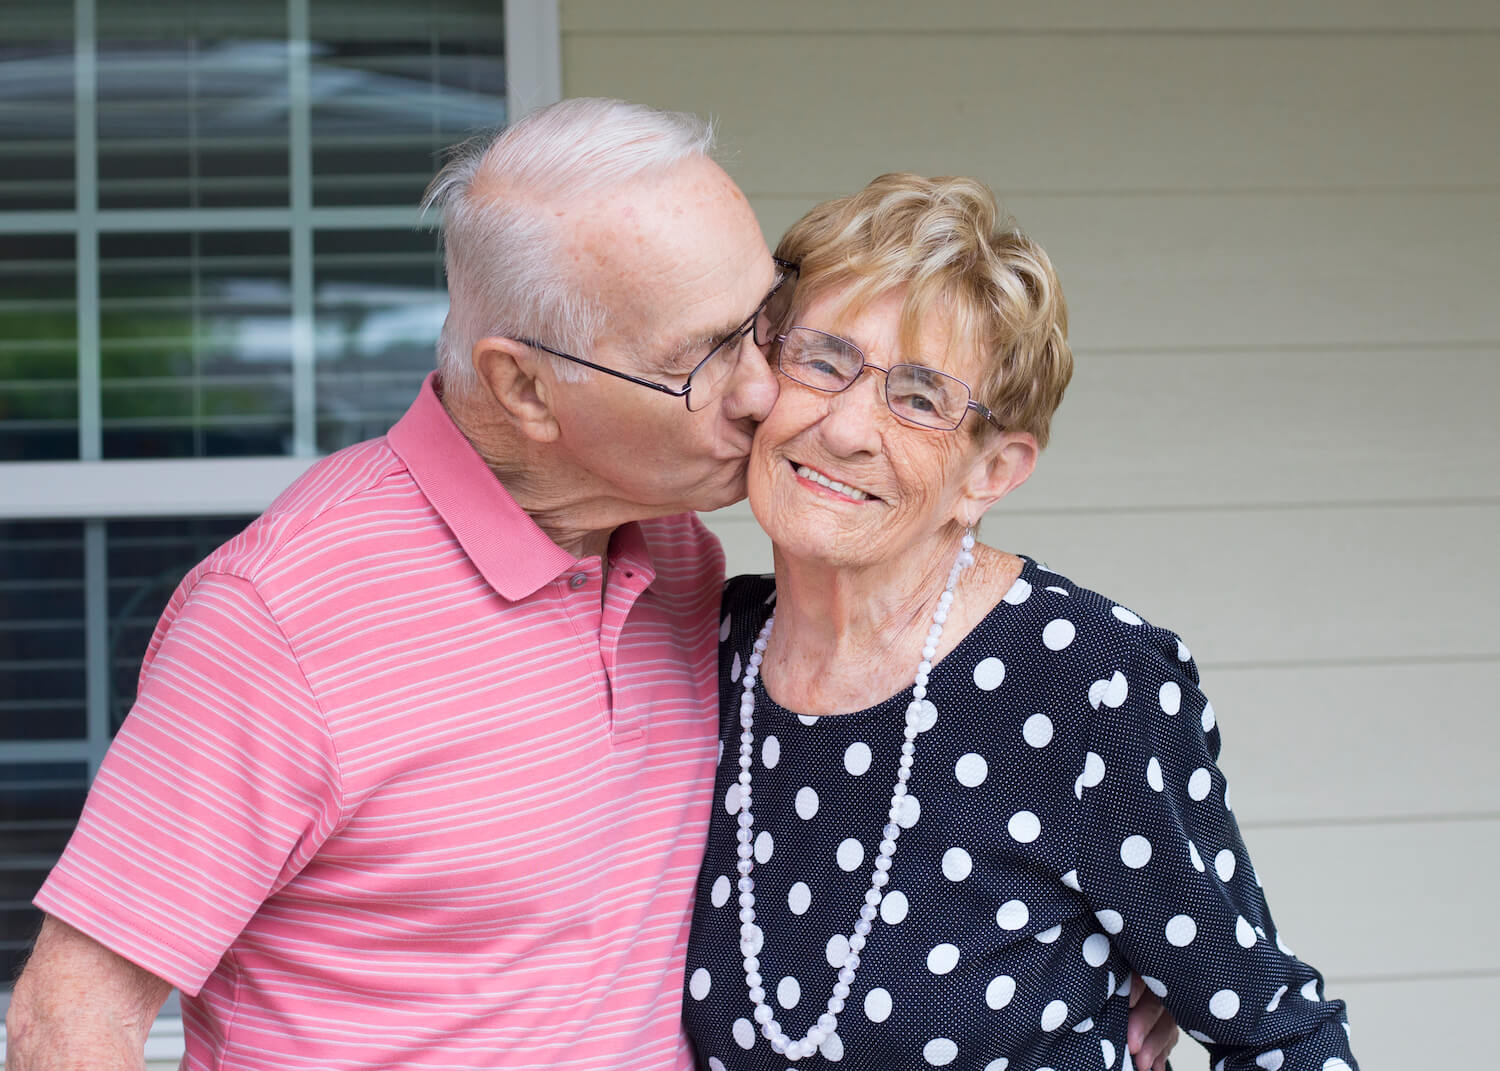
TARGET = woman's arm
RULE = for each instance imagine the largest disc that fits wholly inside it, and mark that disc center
(1162, 863)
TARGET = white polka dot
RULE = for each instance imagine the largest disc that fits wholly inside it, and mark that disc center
(1054, 1014)
(1153, 774)
(957, 864)
(720, 894)
(799, 898)
(735, 668)
(1135, 851)
(1224, 865)
(1195, 858)
(1156, 985)
(877, 1005)
(1093, 770)
(857, 757)
(770, 752)
(1019, 592)
(806, 802)
(1310, 990)
(1038, 730)
(1111, 692)
(908, 810)
(1095, 949)
(716, 1064)
(699, 983)
(1000, 1063)
(1024, 827)
(832, 1048)
(1244, 933)
(1226, 799)
(850, 854)
(788, 992)
(837, 950)
(999, 992)
(1285, 949)
(724, 629)
(1057, 590)
(1271, 1061)
(1183, 654)
(971, 770)
(1058, 634)
(926, 714)
(940, 1052)
(732, 799)
(1208, 717)
(1107, 1047)
(1110, 920)
(988, 674)
(721, 752)
(1013, 915)
(1225, 1004)
(1200, 782)
(1334, 1063)
(744, 1033)
(1049, 935)
(893, 907)
(1275, 1001)
(1181, 929)
(1171, 697)
(1125, 615)
(765, 844)
(1070, 879)
(1200, 1036)
(807, 719)
(942, 959)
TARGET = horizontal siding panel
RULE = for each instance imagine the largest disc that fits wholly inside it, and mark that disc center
(806, 113)
(1354, 743)
(1246, 427)
(884, 16)
(1358, 584)
(1188, 273)
(1408, 1023)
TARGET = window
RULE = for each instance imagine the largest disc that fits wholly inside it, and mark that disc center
(211, 272)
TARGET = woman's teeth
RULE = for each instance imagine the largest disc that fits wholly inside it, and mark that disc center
(833, 485)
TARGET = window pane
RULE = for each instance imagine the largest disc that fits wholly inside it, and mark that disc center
(39, 805)
(192, 104)
(393, 83)
(41, 631)
(36, 106)
(380, 305)
(38, 348)
(195, 344)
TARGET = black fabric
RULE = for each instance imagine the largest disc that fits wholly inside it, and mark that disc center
(1100, 809)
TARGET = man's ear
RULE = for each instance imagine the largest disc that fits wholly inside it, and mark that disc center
(1004, 463)
(515, 376)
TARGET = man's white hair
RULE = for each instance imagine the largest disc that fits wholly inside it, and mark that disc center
(503, 248)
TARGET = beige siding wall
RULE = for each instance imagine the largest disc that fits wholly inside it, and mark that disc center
(1278, 225)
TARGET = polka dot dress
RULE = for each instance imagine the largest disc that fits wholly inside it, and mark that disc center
(1067, 824)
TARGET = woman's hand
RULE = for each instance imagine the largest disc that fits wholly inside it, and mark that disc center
(1152, 1032)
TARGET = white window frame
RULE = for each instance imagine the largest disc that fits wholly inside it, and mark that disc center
(94, 490)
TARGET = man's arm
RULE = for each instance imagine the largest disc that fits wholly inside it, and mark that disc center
(79, 1007)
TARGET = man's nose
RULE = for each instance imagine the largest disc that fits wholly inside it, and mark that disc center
(754, 388)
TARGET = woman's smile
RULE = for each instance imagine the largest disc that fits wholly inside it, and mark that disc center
(822, 483)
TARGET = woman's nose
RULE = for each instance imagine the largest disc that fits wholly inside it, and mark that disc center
(851, 420)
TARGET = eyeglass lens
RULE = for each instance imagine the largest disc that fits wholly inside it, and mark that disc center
(915, 393)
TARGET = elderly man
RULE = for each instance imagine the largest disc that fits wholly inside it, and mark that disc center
(419, 770)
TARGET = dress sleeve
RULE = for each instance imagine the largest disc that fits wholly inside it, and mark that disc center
(1162, 864)
(217, 790)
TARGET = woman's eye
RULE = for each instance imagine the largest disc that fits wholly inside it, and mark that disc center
(918, 403)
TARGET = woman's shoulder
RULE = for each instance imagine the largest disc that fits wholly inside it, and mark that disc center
(749, 591)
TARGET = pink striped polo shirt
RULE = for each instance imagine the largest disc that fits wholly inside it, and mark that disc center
(402, 788)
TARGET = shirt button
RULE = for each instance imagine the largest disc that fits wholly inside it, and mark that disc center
(577, 580)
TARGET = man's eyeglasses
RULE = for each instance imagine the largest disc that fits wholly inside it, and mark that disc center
(917, 394)
(709, 377)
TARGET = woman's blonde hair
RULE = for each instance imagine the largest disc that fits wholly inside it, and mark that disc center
(956, 254)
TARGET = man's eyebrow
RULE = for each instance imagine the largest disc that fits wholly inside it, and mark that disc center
(695, 346)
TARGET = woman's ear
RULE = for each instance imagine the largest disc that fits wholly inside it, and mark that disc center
(1004, 463)
(512, 373)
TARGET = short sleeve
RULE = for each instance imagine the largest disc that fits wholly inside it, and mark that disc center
(217, 790)
(1162, 864)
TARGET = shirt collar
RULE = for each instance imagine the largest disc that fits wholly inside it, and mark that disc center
(514, 555)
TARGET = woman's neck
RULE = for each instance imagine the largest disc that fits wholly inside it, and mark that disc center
(846, 639)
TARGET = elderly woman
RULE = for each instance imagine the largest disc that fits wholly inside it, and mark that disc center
(961, 797)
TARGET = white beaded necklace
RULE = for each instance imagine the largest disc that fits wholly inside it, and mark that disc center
(828, 1022)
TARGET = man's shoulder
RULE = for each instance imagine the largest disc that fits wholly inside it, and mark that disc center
(345, 497)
